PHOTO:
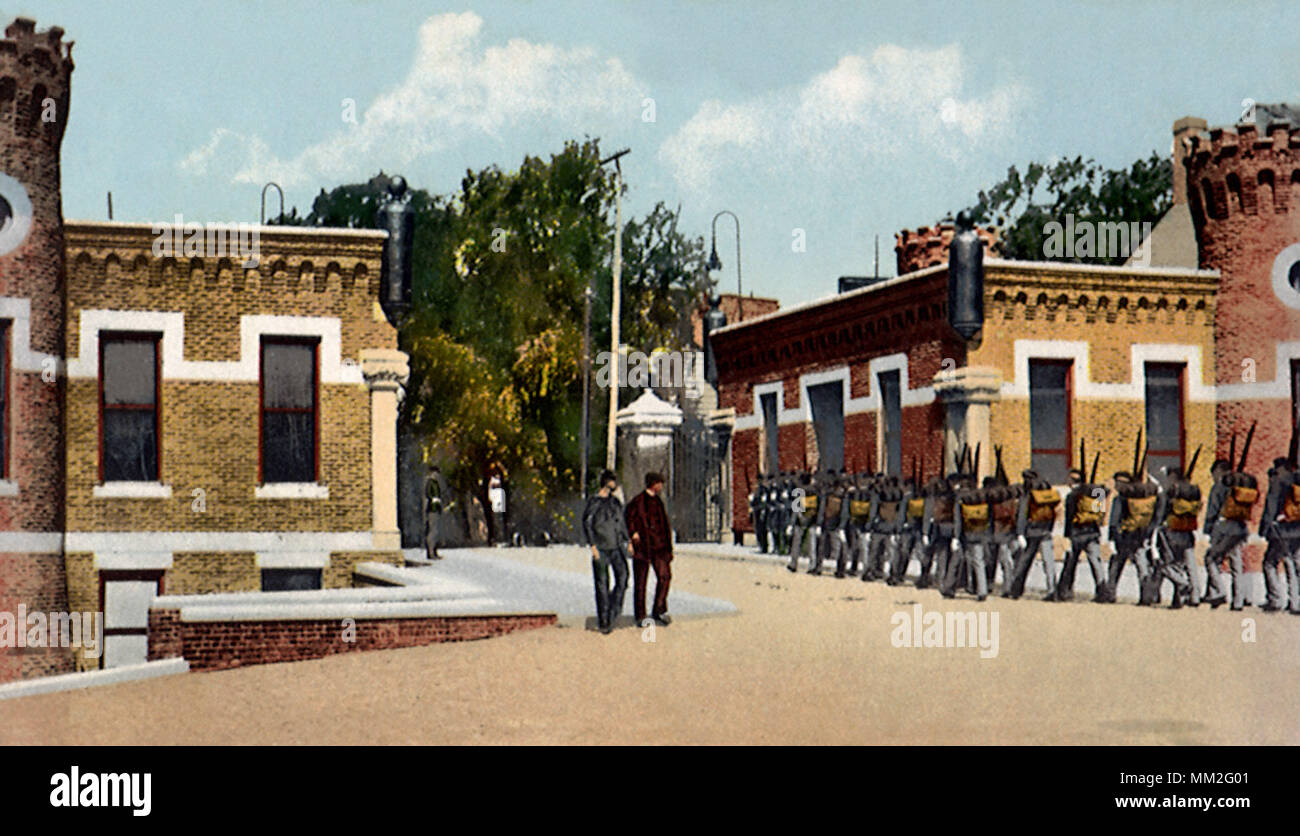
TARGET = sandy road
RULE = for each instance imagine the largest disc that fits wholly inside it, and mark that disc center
(806, 660)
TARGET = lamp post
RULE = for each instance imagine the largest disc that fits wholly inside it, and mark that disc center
(611, 436)
(716, 264)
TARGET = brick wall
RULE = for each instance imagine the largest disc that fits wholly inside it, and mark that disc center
(219, 645)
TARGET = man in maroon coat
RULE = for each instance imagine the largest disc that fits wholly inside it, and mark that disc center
(652, 540)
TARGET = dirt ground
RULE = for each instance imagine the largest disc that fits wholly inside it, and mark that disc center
(807, 660)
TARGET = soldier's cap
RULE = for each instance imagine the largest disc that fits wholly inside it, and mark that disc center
(1029, 475)
(1281, 462)
(1221, 464)
(1075, 473)
(1123, 476)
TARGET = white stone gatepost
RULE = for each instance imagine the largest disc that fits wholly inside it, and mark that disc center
(385, 371)
(647, 425)
(967, 394)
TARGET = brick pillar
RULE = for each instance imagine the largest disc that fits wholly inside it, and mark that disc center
(385, 371)
(967, 394)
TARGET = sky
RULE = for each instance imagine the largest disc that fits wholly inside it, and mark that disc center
(819, 124)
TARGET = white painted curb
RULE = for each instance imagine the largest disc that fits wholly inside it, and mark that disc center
(91, 679)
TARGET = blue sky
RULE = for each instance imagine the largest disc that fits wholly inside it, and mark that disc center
(843, 120)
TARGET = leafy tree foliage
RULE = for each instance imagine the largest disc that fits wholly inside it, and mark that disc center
(1022, 205)
(495, 331)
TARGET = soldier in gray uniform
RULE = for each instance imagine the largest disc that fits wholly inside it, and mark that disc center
(1034, 521)
(937, 531)
(1083, 515)
(971, 536)
(803, 524)
(1226, 514)
(889, 511)
(1131, 525)
(908, 530)
(858, 500)
(1004, 502)
(830, 508)
(775, 514)
(1176, 512)
(1280, 526)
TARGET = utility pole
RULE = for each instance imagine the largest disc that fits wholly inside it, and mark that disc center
(611, 452)
(586, 382)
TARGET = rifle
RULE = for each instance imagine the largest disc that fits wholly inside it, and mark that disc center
(1191, 467)
(1137, 450)
(1096, 459)
(1245, 448)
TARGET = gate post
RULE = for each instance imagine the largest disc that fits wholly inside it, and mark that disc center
(647, 424)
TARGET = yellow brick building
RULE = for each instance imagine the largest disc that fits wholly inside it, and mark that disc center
(194, 350)
(1111, 331)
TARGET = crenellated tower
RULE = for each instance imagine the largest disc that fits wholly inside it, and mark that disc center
(1243, 190)
(35, 74)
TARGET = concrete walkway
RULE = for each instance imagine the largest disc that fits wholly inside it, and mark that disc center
(555, 579)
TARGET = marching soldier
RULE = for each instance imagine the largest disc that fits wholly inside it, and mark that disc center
(1226, 514)
(803, 527)
(937, 530)
(859, 498)
(1175, 541)
(1084, 510)
(830, 504)
(779, 515)
(972, 534)
(1280, 526)
(1034, 520)
(1131, 526)
(874, 569)
(890, 509)
(908, 528)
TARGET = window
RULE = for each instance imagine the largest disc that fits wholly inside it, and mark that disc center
(1164, 400)
(827, 401)
(771, 447)
(891, 421)
(1049, 418)
(128, 408)
(1293, 276)
(289, 416)
(288, 580)
(4, 399)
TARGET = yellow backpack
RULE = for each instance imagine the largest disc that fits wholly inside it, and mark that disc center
(1138, 513)
(1088, 511)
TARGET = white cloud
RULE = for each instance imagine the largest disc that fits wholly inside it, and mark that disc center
(455, 91)
(864, 109)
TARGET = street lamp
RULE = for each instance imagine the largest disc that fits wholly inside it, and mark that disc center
(716, 264)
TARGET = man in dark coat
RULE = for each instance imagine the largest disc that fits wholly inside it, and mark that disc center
(652, 543)
(605, 531)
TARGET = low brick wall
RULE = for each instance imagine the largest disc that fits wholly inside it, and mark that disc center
(218, 645)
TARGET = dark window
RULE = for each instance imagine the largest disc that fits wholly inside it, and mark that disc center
(1164, 408)
(287, 580)
(827, 401)
(1294, 276)
(771, 446)
(4, 400)
(128, 407)
(892, 411)
(288, 411)
(1049, 418)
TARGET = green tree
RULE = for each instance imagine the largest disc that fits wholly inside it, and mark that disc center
(495, 331)
(1022, 205)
